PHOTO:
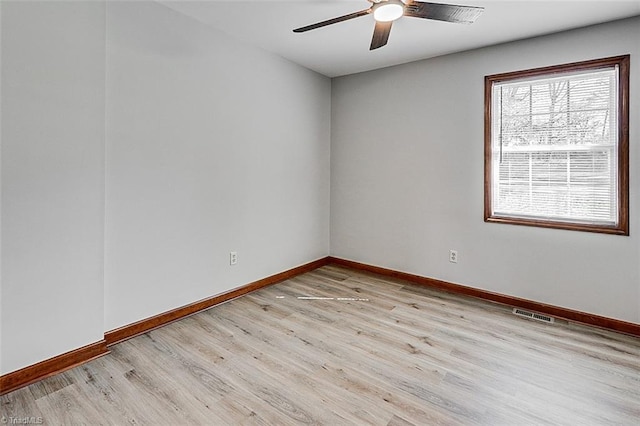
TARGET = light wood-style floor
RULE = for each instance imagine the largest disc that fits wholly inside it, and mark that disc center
(380, 352)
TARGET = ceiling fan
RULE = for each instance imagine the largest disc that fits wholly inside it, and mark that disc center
(387, 11)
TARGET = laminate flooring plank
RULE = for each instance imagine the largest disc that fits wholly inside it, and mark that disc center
(378, 392)
(241, 408)
(337, 405)
(67, 406)
(19, 404)
(399, 421)
(331, 272)
(50, 385)
(115, 406)
(276, 391)
(163, 386)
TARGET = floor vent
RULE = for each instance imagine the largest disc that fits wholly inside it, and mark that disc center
(533, 315)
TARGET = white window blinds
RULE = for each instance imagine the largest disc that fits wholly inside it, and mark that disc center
(554, 146)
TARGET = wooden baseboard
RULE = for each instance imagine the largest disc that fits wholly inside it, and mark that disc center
(543, 308)
(128, 331)
(25, 376)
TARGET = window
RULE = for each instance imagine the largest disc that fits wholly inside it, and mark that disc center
(557, 146)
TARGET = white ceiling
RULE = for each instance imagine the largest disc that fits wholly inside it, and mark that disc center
(343, 48)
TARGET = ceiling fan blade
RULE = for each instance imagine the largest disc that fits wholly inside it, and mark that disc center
(443, 12)
(333, 21)
(380, 34)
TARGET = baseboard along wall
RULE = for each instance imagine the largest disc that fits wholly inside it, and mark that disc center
(52, 366)
(58, 364)
(543, 308)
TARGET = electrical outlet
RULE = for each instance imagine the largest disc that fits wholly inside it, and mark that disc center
(453, 256)
(233, 258)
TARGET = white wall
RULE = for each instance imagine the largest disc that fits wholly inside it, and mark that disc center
(407, 179)
(52, 124)
(1, 370)
(212, 146)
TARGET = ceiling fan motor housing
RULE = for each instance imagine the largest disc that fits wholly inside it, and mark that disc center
(387, 10)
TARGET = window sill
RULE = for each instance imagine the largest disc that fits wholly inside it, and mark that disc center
(602, 229)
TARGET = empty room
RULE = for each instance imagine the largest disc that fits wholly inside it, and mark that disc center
(340, 212)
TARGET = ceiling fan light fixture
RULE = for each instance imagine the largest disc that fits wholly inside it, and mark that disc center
(388, 11)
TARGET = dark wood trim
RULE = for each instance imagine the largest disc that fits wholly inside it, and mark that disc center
(128, 331)
(543, 308)
(47, 368)
(623, 63)
(488, 152)
(623, 142)
(558, 69)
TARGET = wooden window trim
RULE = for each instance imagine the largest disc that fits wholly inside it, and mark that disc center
(622, 227)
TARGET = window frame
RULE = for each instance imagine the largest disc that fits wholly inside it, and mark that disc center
(622, 225)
